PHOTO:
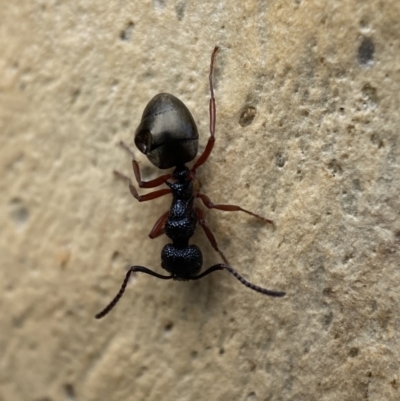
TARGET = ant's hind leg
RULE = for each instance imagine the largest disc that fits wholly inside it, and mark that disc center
(209, 234)
(136, 169)
(229, 208)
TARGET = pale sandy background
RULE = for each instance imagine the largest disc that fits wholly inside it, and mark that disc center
(321, 157)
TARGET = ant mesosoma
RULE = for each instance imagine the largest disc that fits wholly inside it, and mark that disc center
(168, 136)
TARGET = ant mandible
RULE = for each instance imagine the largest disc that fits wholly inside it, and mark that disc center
(167, 135)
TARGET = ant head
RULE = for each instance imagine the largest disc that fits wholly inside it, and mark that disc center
(167, 133)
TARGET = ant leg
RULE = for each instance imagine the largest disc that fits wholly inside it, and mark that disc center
(211, 140)
(209, 234)
(142, 198)
(158, 228)
(148, 184)
(136, 169)
(229, 208)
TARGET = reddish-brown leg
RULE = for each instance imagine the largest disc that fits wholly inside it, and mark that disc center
(158, 228)
(209, 234)
(136, 169)
(211, 140)
(229, 208)
(142, 198)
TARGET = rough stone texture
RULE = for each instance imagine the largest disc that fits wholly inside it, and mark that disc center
(308, 100)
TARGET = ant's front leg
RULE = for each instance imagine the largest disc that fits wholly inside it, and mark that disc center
(229, 208)
(142, 198)
(136, 169)
(213, 116)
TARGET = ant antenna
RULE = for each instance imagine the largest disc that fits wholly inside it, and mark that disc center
(219, 266)
(121, 291)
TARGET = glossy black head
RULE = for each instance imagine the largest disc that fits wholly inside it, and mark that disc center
(167, 133)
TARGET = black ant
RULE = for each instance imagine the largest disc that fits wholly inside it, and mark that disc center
(168, 136)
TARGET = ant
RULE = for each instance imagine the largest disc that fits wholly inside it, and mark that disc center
(167, 135)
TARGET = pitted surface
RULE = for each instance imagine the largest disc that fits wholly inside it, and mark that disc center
(307, 134)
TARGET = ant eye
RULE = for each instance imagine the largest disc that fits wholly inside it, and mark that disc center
(143, 141)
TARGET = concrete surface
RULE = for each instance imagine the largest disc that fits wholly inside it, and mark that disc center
(308, 123)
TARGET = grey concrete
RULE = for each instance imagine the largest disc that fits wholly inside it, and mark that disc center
(308, 122)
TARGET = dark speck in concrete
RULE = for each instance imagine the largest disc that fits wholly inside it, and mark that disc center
(366, 51)
(160, 4)
(126, 34)
(247, 115)
(180, 10)
(18, 212)
(354, 351)
(280, 160)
